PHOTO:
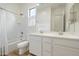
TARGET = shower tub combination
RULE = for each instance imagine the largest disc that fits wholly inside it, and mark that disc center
(8, 31)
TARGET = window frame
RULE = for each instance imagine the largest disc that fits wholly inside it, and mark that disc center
(31, 16)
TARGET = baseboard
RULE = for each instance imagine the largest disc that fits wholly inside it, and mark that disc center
(32, 54)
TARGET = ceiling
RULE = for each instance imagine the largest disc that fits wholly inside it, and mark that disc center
(53, 5)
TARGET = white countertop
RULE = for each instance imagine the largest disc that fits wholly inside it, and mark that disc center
(56, 35)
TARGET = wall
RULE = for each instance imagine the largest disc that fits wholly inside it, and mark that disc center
(43, 20)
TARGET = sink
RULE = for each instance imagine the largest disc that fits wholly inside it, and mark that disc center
(60, 33)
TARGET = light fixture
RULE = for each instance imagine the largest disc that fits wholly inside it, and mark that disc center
(37, 4)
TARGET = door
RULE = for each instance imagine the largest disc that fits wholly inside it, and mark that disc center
(35, 45)
(46, 46)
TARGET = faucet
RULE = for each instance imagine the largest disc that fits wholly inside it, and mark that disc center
(41, 31)
(21, 36)
(60, 33)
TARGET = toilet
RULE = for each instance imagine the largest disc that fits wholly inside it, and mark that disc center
(23, 47)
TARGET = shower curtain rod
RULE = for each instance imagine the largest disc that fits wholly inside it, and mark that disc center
(8, 11)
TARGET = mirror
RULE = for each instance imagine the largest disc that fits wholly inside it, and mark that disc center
(57, 17)
(74, 18)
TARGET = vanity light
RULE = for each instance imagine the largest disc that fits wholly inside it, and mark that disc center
(37, 4)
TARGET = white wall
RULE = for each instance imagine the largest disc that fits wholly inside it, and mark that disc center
(43, 19)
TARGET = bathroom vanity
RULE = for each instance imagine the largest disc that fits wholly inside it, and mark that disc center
(54, 44)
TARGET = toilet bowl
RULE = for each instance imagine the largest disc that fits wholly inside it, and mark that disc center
(23, 47)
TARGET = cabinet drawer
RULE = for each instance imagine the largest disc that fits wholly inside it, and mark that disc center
(67, 42)
(46, 45)
(64, 51)
(47, 40)
(46, 53)
(36, 44)
(35, 51)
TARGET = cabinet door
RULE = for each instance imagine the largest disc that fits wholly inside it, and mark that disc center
(59, 50)
(35, 45)
(46, 47)
(65, 47)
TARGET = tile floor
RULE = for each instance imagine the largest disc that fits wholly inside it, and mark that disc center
(15, 53)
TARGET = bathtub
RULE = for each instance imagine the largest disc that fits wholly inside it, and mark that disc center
(13, 45)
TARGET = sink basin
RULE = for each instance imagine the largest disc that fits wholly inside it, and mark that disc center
(60, 33)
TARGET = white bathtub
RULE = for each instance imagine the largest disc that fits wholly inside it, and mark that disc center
(13, 45)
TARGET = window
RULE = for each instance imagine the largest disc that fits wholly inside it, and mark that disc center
(32, 12)
(31, 17)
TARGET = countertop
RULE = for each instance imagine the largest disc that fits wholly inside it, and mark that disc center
(57, 35)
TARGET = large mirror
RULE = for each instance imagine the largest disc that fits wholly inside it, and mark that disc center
(57, 17)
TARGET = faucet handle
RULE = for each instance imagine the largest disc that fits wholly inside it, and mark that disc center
(21, 32)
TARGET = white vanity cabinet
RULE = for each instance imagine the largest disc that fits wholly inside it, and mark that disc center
(51, 45)
(35, 45)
